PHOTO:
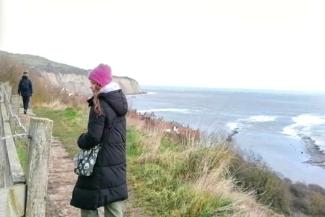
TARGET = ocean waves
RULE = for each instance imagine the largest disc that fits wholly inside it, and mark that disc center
(246, 122)
(309, 128)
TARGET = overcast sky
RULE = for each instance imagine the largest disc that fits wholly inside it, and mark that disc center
(263, 44)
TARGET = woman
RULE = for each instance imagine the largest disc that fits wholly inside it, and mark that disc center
(106, 126)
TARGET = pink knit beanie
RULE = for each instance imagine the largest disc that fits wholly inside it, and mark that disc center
(102, 74)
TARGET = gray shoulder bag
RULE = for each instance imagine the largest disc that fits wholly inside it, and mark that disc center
(85, 161)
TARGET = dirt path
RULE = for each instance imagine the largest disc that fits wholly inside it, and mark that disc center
(61, 183)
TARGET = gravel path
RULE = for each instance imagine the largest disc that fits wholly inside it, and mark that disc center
(61, 183)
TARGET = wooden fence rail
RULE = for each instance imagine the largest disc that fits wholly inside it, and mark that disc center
(23, 194)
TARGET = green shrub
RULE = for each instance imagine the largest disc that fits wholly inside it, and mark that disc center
(269, 188)
(309, 200)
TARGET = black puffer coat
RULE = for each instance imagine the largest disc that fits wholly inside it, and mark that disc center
(108, 182)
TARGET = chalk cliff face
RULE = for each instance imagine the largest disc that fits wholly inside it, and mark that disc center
(78, 83)
(67, 77)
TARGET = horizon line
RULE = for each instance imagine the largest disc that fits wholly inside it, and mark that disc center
(231, 88)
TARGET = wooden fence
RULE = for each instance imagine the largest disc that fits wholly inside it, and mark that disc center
(22, 193)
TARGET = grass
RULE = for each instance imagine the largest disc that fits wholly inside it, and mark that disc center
(68, 125)
(160, 183)
(21, 146)
(175, 179)
(157, 184)
(163, 195)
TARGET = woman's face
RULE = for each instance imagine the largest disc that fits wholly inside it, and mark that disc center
(94, 87)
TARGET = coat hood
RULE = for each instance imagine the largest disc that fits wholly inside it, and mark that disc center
(115, 99)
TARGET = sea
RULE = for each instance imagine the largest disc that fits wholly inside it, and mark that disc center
(272, 126)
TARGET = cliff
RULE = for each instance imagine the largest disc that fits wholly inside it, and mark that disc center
(70, 78)
(79, 83)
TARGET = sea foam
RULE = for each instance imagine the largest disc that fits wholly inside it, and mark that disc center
(241, 123)
(302, 124)
(261, 118)
(247, 122)
(303, 128)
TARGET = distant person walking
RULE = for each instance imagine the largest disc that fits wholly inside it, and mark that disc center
(107, 185)
(25, 89)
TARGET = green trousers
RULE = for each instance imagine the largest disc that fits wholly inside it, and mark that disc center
(111, 210)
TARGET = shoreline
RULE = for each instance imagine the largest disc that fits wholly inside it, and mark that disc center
(314, 155)
(317, 156)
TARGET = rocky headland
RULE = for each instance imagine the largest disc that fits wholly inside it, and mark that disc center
(66, 77)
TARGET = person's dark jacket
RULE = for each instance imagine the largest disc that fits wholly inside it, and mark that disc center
(25, 87)
(108, 182)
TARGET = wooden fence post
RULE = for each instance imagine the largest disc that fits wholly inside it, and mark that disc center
(15, 99)
(38, 158)
(15, 103)
(8, 90)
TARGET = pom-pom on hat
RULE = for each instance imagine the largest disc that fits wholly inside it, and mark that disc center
(102, 74)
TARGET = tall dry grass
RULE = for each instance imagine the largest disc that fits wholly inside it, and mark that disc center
(203, 167)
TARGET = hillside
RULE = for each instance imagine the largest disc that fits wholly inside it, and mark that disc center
(173, 174)
(72, 79)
